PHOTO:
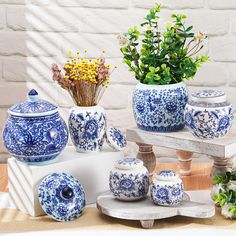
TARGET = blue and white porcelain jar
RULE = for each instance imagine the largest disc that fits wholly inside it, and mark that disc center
(160, 108)
(208, 114)
(129, 180)
(34, 132)
(167, 188)
(87, 126)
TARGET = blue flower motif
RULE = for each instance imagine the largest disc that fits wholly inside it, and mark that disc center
(162, 193)
(91, 129)
(126, 184)
(176, 191)
(224, 123)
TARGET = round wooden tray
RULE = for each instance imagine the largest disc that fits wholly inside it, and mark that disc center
(146, 212)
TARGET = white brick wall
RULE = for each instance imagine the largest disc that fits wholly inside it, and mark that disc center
(35, 33)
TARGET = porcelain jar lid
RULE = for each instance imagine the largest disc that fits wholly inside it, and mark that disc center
(33, 107)
(209, 96)
(128, 163)
(167, 175)
(115, 139)
(61, 196)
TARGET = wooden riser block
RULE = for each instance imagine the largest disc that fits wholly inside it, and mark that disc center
(91, 169)
(199, 179)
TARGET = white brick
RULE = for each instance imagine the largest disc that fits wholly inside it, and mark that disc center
(2, 17)
(121, 119)
(121, 74)
(220, 4)
(232, 75)
(95, 3)
(17, 2)
(35, 69)
(95, 43)
(172, 4)
(3, 118)
(117, 97)
(43, 18)
(233, 23)
(110, 21)
(28, 43)
(223, 49)
(211, 74)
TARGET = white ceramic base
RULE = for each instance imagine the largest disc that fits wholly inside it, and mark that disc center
(92, 170)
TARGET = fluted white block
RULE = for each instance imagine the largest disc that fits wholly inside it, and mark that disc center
(92, 170)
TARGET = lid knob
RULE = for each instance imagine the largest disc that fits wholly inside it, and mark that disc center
(33, 95)
(67, 193)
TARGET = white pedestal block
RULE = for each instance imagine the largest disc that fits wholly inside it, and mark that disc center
(92, 170)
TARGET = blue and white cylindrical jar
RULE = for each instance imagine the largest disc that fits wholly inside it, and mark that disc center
(129, 180)
(208, 114)
(167, 188)
(34, 132)
(160, 108)
(87, 127)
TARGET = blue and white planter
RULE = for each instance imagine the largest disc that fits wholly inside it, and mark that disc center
(160, 108)
(87, 126)
(61, 196)
(129, 180)
(34, 132)
(167, 188)
(208, 114)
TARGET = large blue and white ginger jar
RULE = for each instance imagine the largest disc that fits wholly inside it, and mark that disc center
(87, 127)
(167, 188)
(160, 108)
(129, 179)
(34, 132)
(208, 114)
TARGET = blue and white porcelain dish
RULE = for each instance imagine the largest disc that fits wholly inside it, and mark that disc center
(61, 196)
(208, 114)
(160, 108)
(129, 180)
(115, 139)
(34, 132)
(167, 188)
(87, 126)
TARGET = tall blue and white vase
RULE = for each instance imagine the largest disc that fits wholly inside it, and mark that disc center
(160, 108)
(87, 127)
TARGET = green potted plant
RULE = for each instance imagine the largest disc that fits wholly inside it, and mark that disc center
(161, 61)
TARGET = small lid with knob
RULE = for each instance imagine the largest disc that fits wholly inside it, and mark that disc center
(167, 175)
(61, 196)
(33, 107)
(129, 163)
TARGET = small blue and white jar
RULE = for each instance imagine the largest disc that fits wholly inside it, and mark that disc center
(34, 132)
(208, 114)
(87, 127)
(129, 180)
(167, 188)
(160, 108)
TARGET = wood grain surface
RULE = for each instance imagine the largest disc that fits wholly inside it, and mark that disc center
(199, 178)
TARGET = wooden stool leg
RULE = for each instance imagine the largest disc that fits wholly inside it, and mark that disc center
(185, 160)
(148, 157)
(221, 165)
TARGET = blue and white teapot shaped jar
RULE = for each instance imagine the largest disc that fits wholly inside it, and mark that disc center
(129, 180)
(208, 114)
(34, 132)
(167, 188)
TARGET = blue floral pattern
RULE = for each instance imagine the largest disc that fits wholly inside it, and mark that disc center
(209, 123)
(158, 108)
(87, 129)
(61, 196)
(169, 194)
(129, 161)
(115, 139)
(208, 94)
(129, 186)
(35, 139)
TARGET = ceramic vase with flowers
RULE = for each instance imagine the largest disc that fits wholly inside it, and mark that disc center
(85, 79)
(161, 63)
